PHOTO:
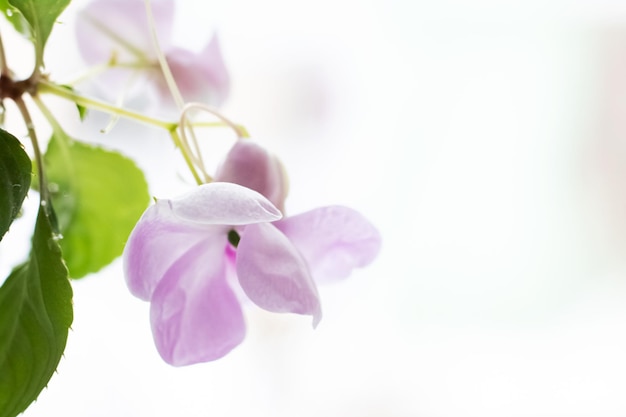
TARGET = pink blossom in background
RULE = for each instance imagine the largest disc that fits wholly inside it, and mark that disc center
(117, 31)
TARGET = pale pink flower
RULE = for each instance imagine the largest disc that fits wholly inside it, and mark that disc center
(182, 251)
(117, 31)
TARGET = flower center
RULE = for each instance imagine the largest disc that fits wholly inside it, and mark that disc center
(233, 238)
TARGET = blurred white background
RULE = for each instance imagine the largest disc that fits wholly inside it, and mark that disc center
(485, 139)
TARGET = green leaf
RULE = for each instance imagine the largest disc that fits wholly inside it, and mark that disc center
(15, 176)
(35, 315)
(98, 195)
(15, 18)
(41, 16)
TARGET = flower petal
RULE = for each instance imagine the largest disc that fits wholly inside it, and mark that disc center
(120, 27)
(333, 240)
(200, 76)
(273, 274)
(195, 315)
(225, 204)
(250, 165)
(157, 241)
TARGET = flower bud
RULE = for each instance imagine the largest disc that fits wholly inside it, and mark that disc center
(250, 165)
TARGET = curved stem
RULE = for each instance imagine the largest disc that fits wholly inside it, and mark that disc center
(239, 130)
(185, 124)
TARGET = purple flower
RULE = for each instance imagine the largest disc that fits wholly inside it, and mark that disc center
(117, 31)
(178, 257)
(182, 254)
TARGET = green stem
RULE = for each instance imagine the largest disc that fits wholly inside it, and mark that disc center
(63, 139)
(43, 186)
(178, 142)
(45, 86)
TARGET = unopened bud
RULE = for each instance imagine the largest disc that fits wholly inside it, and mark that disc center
(250, 165)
